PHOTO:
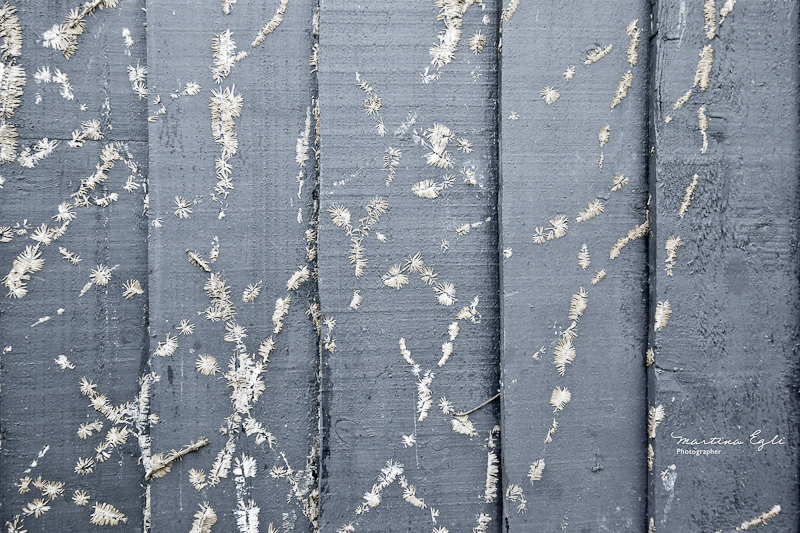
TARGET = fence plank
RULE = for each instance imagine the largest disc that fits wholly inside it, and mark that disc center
(371, 393)
(248, 227)
(590, 469)
(725, 359)
(99, 334)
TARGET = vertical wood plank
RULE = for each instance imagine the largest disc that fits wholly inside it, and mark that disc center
(726, 360)
(370, 390)
(260, 464)
(577, 464)
(102, 335)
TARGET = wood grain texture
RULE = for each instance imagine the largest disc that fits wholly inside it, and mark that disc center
(103, 335)
(594, 474)
(261, 241)
(726, 362)
(369, 390)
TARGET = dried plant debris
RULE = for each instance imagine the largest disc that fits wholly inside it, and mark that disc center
(549, 95)
(160, 464)
(604, 135)
(663, 312)
(763, 518)
(394, 278)
(598, 276)
(651, 455)
(430, 189)
(702, 123)
(205, 517)
(654, 418)
(301, 275)
(105, 514)
(341, 217)
(563, 354)
(536, 469)
(463, 425)
(558, 228)
(597, 54)
(80, 498)
(547, 440)
(483, 523)
(90, 129)
(633, 47)
(671, 246)
(356, 301)
(492, 470)
(26, 263)
(592, 210)
(64, 362)
(619, 182)
(451, 12)
(226, 6)
(584, 260)
(138, 77)
(703, 74)
(224, 53)
(477, 41)
(31, 156)
(515, 494)
(725, 10)
(12, 80)
(640, 230)
(622, 89)
(372, 499)
(710, 16)
(64, 37)
(372, 104)
(560, 398)
(207, 365)
(649, 357)
(438, 136)
(682, 100)
(225, 105)
(272, 25)
(251, 292)
(11, 32)
(688, 196)
(390, 162)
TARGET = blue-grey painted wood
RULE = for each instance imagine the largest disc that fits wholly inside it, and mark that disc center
(726, 361)
(102, 335)
(259, 226)
(370, 391)
(594, 462)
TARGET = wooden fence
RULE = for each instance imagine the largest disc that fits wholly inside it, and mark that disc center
(429, 266)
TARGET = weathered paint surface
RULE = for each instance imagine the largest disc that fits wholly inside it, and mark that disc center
(452, 162)
(102, 334)
(370, 392)
(594, 473)
(726, 361)
(261, 241)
